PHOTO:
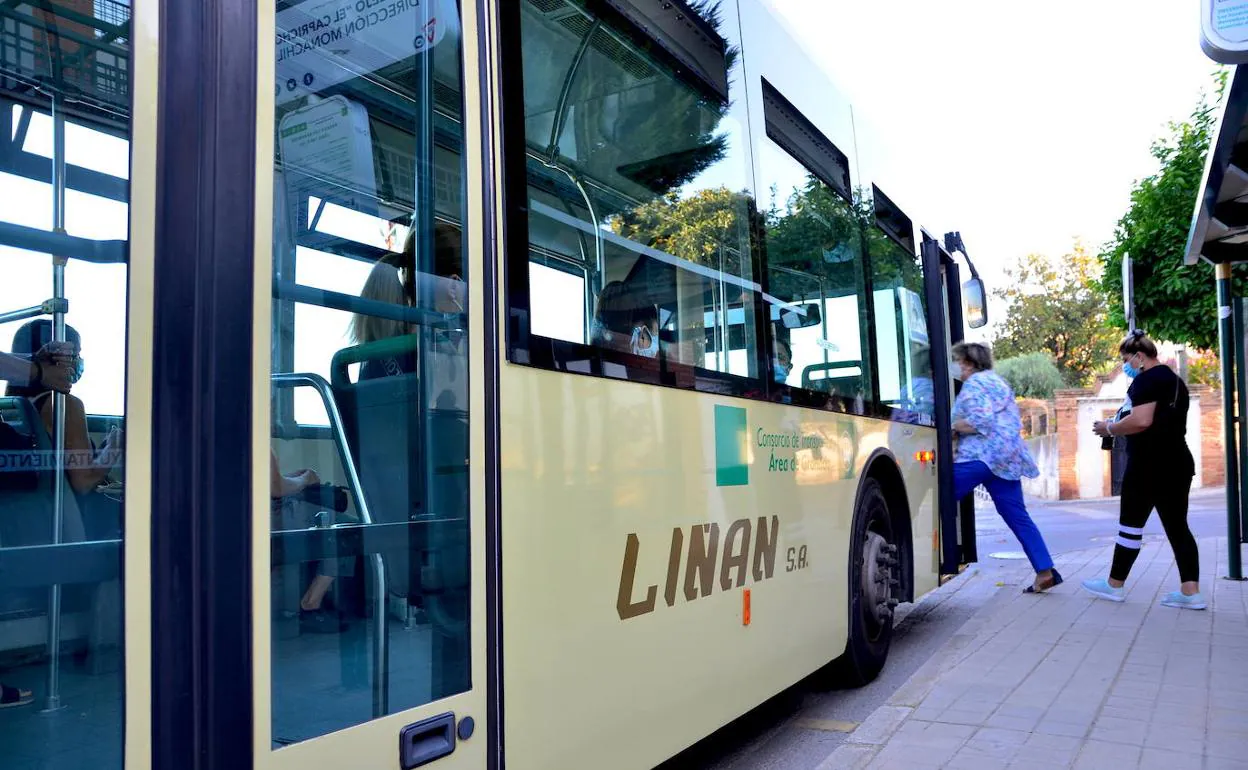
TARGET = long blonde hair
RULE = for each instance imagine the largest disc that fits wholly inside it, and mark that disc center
(384, 284)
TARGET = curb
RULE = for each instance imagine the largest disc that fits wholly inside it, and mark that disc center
(861, 746)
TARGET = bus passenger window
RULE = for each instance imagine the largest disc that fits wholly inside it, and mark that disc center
(815, 266)
(62, 689)
(638, 212)
(905, 366)
(369, 460)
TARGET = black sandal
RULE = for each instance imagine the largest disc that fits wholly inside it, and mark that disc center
(12, 696)
(1057, 581)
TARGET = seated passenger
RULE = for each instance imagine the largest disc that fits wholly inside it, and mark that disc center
(783, 363)
(395, 281)
(85, 467)
(49, 369)
(624, 325)
(312, 617)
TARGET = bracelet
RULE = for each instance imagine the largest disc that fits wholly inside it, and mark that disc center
(1109, 428)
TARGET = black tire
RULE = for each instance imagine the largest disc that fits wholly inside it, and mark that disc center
(870, 617)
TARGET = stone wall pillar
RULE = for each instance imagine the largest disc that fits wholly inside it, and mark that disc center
(1067, 413)
(1209, 443)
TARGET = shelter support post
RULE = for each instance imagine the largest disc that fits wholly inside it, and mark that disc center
(1228, 343)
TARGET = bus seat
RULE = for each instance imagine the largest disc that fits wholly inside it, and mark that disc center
(381, 420)
(840, 377)
(384, 419)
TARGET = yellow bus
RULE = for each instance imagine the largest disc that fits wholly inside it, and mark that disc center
(538, 383)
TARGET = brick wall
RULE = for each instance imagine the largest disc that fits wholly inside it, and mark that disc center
(1213, 459)
(1067, 409)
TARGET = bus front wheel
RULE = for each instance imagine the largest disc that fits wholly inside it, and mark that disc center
(874, 568)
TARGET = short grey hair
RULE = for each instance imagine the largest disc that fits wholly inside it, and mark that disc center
(977, 354)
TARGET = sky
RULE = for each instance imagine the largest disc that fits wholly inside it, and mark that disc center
(1024, 126)
(1022, 129)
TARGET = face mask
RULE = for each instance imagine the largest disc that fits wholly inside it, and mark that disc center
(648, 352)
(77, 372)
(1130, 370)
(782, 371)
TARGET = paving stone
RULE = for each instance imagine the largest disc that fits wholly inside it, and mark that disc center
(1100, 755)
(880, 726)
(849, 756)
(1074, 682)
(1162, 759)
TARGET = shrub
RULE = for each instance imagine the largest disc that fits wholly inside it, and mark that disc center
(1033, 375)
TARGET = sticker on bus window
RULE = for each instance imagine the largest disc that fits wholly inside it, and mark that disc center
(321, 43)
(1224, 30)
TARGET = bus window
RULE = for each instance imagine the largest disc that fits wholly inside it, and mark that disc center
(64, 171)
(814, 260)
(905, 367)
(369, 475)
(638, 219)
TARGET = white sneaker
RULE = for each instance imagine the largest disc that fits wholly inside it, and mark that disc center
(1101, 589)
(1184, 602)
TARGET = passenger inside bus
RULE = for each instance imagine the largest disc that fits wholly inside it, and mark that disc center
(85, 476)
(49, 368)
(284, 490)
(37, 368)
(783, 362)
(625, 324)
(394, 280)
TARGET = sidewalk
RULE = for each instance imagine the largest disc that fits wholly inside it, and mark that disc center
(1064, 680)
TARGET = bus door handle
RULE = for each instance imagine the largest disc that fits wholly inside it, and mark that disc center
(426, 740)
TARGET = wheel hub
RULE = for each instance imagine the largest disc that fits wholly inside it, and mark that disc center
(879, 565)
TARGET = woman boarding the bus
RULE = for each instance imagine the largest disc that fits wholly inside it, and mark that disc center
(1159, 473)
(991, 452)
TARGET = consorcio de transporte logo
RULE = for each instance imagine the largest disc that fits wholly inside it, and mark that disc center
(732, 431)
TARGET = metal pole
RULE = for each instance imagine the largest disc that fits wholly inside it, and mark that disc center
(52, 701)
(1227, 343)
(381, 636)
(1241, 382)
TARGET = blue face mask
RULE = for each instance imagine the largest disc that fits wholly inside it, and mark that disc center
(781, 371)
(1130, 370)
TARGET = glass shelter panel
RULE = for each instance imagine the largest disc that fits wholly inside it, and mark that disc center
(64, 169)
(639, 218)
(369, 461)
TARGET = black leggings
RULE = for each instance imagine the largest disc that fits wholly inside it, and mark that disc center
(1167, 492)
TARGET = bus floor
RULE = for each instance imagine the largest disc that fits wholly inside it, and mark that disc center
(321, 683)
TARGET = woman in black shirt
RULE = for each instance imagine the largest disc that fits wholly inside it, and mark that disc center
(1159, 473)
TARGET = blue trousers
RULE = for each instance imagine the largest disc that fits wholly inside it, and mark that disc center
(1007, 496)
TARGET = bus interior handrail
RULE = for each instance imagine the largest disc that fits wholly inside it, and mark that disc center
(381, 660)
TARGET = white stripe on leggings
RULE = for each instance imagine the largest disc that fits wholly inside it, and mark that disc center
(1134, 545)
(1130, 530)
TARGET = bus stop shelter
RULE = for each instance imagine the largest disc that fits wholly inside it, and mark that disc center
(1219, 236)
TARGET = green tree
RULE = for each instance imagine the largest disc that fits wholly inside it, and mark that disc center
(1031, 375)
(1056, 308)
(704, 227)
(1172, 301)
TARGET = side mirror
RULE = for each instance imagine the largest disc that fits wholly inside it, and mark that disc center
(975, 300)
(807, 315)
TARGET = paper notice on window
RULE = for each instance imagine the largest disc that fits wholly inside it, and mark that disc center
(1230, 19)
(326, 153)
(321, 43)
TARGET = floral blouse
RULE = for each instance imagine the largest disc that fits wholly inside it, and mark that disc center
(987, 403)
